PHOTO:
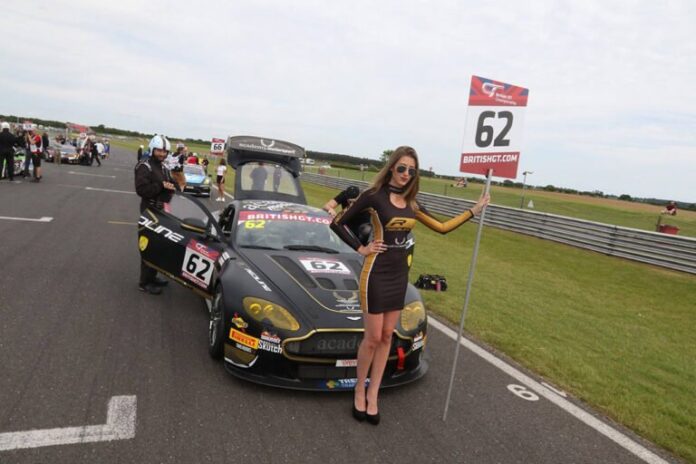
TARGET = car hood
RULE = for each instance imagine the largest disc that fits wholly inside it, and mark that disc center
(195, 178)
(323, 287)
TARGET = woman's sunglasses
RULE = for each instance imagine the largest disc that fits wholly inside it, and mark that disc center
(401, 169)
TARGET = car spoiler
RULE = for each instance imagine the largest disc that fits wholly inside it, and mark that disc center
(242, 149)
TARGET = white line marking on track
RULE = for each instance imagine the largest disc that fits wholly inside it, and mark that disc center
(122, 223)
(120, 425)
(580, 414)
(551, 387)
(87, 174)
(109, 190)
(42, 219)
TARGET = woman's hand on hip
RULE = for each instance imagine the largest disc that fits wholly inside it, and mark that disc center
(376, 246)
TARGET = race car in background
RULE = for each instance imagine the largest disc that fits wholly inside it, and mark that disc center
(197, 181)
(67, 154)
(282, 290)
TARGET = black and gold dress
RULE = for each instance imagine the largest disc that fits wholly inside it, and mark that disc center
(384, 276)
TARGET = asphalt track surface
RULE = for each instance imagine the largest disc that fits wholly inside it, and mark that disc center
(75, 331)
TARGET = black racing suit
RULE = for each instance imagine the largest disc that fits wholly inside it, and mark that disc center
(149, 177)
(7, 143)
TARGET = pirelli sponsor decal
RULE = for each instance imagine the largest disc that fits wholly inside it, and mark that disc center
(244, 339)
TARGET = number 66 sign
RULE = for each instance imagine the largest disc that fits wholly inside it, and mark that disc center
(493, 134)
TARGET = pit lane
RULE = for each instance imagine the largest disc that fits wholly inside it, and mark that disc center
(75, 332)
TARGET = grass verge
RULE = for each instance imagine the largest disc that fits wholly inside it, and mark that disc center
(616, 334)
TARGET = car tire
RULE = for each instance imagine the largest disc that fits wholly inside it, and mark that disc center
(216, 326)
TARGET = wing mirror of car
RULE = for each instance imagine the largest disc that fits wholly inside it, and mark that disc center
(194, 225)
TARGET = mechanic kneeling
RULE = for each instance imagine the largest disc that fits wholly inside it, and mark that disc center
(155, 186)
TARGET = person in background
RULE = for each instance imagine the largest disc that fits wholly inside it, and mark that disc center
(107, 148)
(360, 225)
(45, 142)
(155, 187)
(94, 153)
(192, 159)
(221, 170)
(670, 209)
(277, 175)
(34, 148)
(258, 177)
(140, 152)
(176, 165)
(7, 144)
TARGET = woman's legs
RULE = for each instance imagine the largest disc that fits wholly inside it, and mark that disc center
(221, 191)
(379, 361)
(366, 351)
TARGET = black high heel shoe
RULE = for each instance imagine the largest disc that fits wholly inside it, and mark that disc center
(372, 418)
(359, 415)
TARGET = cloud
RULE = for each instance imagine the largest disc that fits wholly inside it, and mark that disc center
(608, 81)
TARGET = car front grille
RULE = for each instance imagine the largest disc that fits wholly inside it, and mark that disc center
(327, 345)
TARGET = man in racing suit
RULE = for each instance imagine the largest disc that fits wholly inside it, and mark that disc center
(7, 143)
(155, 186)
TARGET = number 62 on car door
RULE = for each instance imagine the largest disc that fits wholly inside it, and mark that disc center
(199, 263)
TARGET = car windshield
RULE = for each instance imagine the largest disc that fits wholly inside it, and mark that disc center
(193, 170)
(289, 231)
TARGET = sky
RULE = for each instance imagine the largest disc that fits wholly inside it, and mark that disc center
(610, 106)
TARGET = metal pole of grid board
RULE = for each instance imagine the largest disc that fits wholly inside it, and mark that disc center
(472, 267)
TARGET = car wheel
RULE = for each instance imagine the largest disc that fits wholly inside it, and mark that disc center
(216, 326)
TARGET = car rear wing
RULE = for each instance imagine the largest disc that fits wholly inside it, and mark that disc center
(245, 148)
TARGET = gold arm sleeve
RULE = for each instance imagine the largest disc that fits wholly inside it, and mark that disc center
(443, 227)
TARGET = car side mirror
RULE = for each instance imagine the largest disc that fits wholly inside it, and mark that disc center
(194, 225)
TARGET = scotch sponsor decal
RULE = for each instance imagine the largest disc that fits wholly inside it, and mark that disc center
(270, 347)
(244, 339)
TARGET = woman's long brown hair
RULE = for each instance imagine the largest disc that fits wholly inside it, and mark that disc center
(384, 176)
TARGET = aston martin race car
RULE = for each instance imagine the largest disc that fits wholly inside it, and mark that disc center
(282, 290)
(197, 181)
(68, 154)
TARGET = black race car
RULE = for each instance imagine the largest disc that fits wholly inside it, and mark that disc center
(281, 288)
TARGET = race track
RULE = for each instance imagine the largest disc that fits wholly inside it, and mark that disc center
(75, 332)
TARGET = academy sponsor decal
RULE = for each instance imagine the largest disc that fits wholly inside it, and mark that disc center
(267, 146)
(161, 230)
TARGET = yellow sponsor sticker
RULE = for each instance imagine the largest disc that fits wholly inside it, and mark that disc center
(244, 339)
(409, 259)
(142, 243)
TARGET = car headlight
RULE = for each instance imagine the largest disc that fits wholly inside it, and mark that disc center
(412, 316)
(263, 310)
(206, 181)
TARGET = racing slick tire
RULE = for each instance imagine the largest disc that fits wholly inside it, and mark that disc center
(216, 326)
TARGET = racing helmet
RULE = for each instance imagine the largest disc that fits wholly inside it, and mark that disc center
(4, 125)
(352, 192)
(160, 142)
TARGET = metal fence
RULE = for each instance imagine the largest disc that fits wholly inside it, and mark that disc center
(669, 251)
